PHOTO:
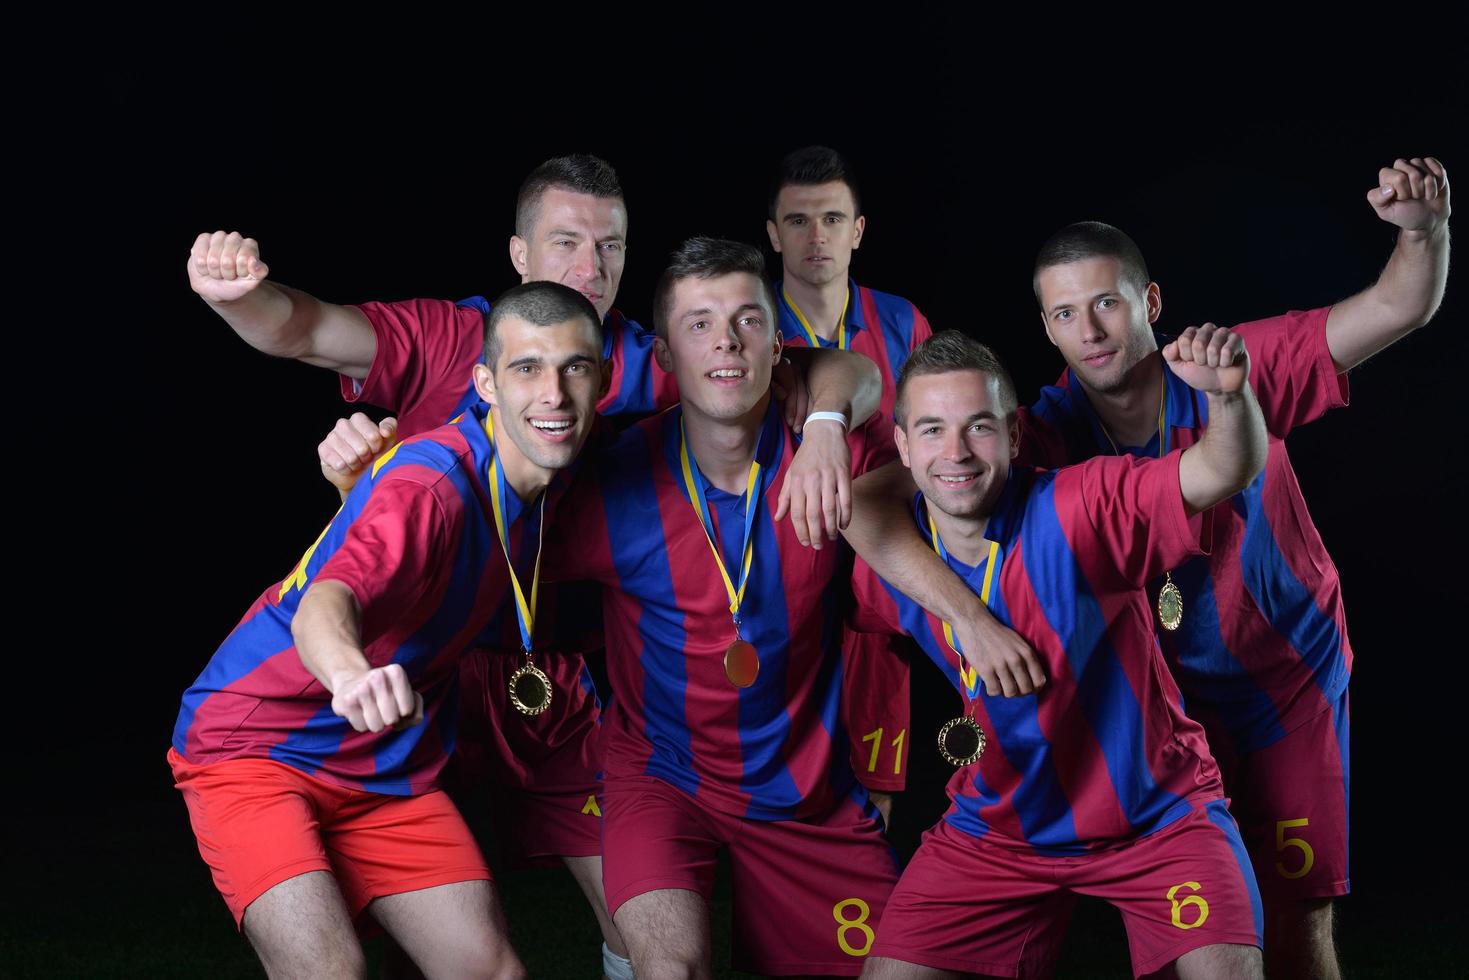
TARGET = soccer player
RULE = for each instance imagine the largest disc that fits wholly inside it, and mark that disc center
(722, 646)
(1100, 785)
(309, 749)
(1260, 650)
(413, 358)
(815, 224)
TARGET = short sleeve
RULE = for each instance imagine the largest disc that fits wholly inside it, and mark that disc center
(1133, 517)
(425, 349)
(397, 551)
(638, 385)
(921, 330)
(1291, 369)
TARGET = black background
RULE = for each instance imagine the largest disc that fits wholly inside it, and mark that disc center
(182, 466)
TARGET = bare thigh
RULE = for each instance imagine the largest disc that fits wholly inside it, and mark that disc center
(454, 930)
(301, 928)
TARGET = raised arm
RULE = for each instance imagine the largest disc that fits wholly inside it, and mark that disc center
(881, 531)
(1232, 452)
(226, 271)
(1414, 195)
(327, 629)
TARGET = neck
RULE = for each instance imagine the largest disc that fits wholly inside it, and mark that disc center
(963, 537)
(820, 305)
(1130, 412)
(724, 448)
(524, 477)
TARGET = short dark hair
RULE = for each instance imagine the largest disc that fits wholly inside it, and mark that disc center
(578, 172)
(544, 304)
(813, 165)
(1090, 240)
(950, 350)
(705, 258)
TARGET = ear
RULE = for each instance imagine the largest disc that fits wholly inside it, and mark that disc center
(858, 226)
(1046, 325)
(519, 255)
(900, 437)
(662, 354)
(774, 238)
(484, 383)
(1014, 425)
(1154, 303)
(777, 341)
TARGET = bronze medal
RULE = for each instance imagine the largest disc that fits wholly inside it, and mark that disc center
(1170, 605)
(961, 741)
(530, 689)
(741, 663)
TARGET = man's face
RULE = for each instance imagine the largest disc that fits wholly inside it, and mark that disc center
(959, 440)
(815, 230)
(579, 241)
(721, 344)
(544, 387)
(1099, 320)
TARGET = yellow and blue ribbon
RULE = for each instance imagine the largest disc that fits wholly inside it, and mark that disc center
(987, 592)
(697, 498)
(525, 612)
(811, 336)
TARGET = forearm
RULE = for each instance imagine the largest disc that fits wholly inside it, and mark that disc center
(1231, 453)
(1404, 298)
(285, 322)
(327, 630)
(882, 532)
(841, 381)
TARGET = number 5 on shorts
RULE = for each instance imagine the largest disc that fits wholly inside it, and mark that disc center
(1282, 842)
(845, 925)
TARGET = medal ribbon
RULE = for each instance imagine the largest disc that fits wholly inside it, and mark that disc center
(525, 612)
(701, 506)
(987, 592)
(806, 326)
(1163, 428)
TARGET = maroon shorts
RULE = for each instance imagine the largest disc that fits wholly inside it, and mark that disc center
(808, 894)
(1291, 802)
(260, 822)
(536, 773)
(967, 905)
(875, 707)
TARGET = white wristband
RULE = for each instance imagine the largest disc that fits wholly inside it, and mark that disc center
(825, 416)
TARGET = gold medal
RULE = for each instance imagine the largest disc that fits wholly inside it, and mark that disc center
(741, 663)
(1170, 604)
(530, 689)
(961, 741)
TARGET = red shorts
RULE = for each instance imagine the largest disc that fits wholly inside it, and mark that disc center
(537, 774)
(807, 893)
(875, 708)
(260, 822)
(967, 905)
(1291, 802)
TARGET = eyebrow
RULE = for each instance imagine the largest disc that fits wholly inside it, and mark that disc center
(985, 415)
(1102, 294)
(706, 311)
(803, 214)
(537, 359)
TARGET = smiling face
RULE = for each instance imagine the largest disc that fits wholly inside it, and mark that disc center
(544, 392)
(816, 229)
(1099, 319)
(958, 438)
(579, 240)
(719, 343)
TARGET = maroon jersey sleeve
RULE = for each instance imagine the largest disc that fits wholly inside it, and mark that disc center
(1135, 520)
(398, 552)
(425, 349)
(1291, 369)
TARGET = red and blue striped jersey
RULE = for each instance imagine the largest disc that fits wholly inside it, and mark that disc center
(415, 541)
(772, 751)
(1102, 753)
(426, 348)
(884, 328)
(1263, 643)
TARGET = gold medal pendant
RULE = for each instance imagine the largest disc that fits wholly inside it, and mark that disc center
(1170, 604)
(741, 663)
(530, 689)
(961, 741)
